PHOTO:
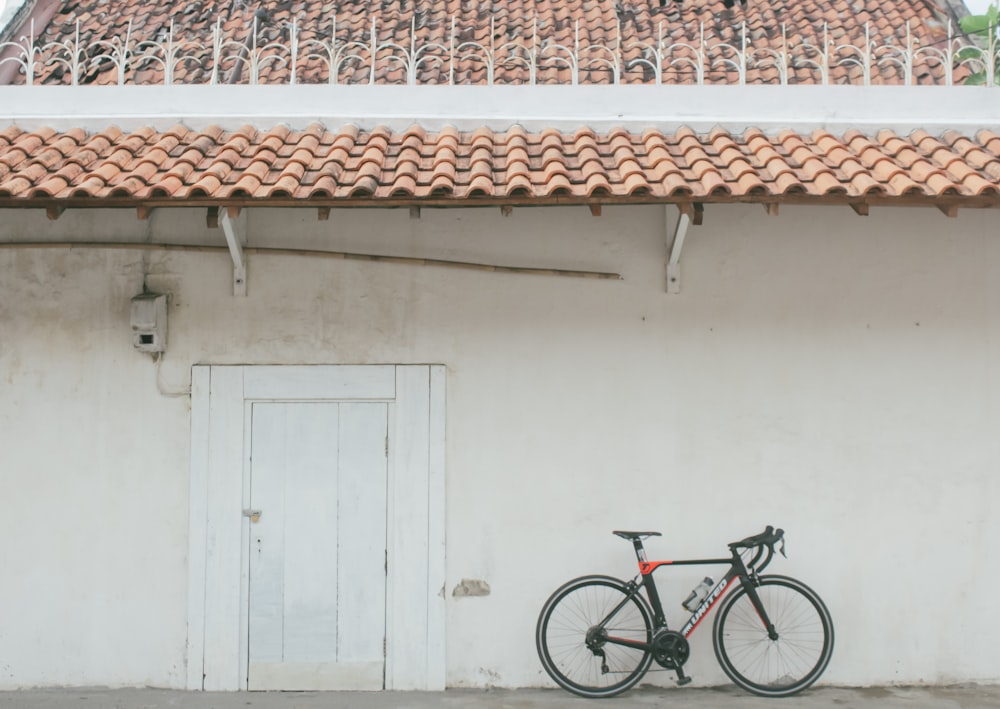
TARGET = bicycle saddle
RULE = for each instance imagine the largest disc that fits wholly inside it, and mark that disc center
(632, 536)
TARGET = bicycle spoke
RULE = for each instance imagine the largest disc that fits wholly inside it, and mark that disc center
(578, 612)
(774, 667)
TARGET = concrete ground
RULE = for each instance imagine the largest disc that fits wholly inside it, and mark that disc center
(966, 697)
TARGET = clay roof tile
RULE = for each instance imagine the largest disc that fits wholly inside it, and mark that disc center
(9, 134)
(901, 184)
(480, 185)
(384, 164)
(518, 184)
(597, 183)
(14, 186)
(557, 183)
(55, 186)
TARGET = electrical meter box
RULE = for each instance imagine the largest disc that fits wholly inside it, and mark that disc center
(149, 322)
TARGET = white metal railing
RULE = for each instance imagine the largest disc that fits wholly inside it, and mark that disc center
(532, 60)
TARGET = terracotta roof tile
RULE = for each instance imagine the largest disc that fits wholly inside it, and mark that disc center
(750, 184)
(245, 186)
(181, 165)
(597, 184)
(674, 185)
(50, 187)
(787, 183)
(863, 184)
(977, 185)
(179, 169)
(443, 182)
(902, 185)
(205, 186)
(559, 184)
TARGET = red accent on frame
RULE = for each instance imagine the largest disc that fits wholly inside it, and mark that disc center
(648, 567)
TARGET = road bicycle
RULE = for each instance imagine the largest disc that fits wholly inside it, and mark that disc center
(598, 635)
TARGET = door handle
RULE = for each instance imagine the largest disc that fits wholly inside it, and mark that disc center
(254, 515)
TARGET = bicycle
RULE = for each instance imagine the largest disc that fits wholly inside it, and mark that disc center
(597, 636)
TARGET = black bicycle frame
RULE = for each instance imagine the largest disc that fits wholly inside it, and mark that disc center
(737, 570)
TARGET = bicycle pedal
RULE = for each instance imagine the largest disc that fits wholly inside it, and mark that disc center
(683, 680)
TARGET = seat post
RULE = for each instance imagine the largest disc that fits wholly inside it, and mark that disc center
(640, 552)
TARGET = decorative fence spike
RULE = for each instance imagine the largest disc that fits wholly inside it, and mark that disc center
(291, 55)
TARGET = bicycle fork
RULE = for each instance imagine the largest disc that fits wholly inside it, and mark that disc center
(751, 588)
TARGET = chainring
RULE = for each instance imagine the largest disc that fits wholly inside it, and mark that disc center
(670, 649)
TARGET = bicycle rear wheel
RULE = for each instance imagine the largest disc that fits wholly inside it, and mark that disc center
(788, 664)
(573, 631)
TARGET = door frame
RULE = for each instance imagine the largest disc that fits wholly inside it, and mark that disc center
(218, 569)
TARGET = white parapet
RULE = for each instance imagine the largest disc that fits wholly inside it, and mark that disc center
(734, 108)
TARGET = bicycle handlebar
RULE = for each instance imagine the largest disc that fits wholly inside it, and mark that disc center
(765, 540)
(768, 537)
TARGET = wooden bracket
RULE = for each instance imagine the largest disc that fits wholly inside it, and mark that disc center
(949, 210)
(54, 213)
(686, 214)
(860, 208)
(235, 230)
(323, 214)
(595, 210)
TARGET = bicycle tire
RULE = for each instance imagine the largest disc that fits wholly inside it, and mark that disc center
(576, 609)
(774, 668)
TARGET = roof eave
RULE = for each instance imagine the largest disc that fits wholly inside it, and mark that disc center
(860, 204)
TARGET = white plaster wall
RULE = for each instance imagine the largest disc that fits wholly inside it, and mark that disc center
(93, 473)
(831, 374)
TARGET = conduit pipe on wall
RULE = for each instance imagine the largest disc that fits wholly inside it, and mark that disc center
(265, 251)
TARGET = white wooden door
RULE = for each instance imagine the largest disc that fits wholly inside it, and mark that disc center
(317, 593)
(223, 398)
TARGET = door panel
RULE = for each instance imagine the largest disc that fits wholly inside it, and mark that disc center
(316, 611)
(222, 400)
(362, 533)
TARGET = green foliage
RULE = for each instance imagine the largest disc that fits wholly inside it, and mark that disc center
(985, 27)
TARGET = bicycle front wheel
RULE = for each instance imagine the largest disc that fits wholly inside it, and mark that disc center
(795, 658)
(575, 634)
